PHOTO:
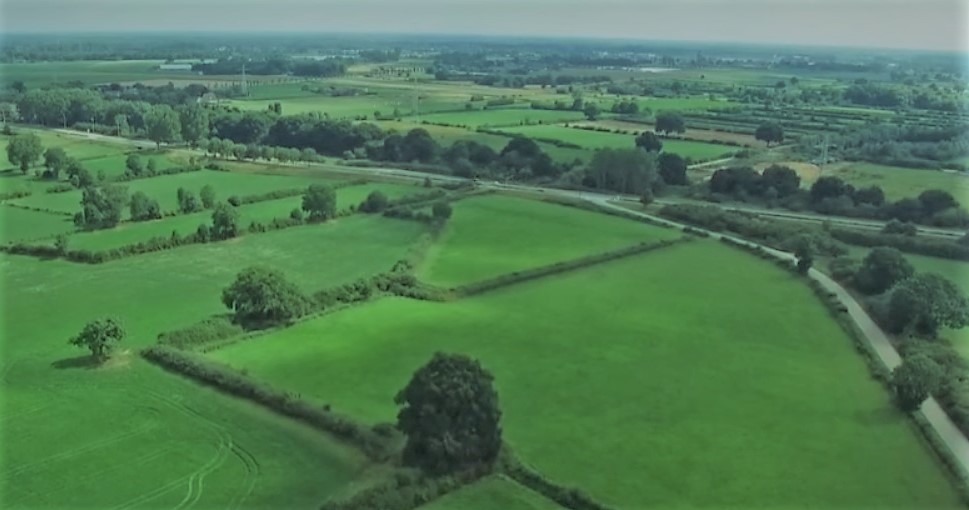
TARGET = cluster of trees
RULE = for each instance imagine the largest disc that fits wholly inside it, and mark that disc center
(274, 65)
(903, 145)
(101, 206)
(900, 96)
(780, 185)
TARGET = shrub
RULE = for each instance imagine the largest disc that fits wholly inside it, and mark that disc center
(200, 333)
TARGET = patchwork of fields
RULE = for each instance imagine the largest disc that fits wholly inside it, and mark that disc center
(900, 182)
(698, 151)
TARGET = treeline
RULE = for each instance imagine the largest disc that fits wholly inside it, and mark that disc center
(910, 146)
(781, 186)
(273, 66)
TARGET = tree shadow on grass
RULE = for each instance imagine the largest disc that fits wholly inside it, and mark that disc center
(87, 362)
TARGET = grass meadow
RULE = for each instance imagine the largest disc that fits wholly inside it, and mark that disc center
(530, 234)
(75, 146)
(638, 373)
(900, 182)
(502, 117)
(18, 225)
(68, 429)
(493, 493)
(597, 139)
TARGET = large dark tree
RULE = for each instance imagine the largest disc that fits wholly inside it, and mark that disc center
(100, 337)
(934, 201)
(649, 142)
(881, 269)
(376, 201)
(670, 122)
(783, 179)
(260, 294)
(101, 207)
(450, 415)
(24, 150)
(144, 208)
(925, 303)
(163, 125)
(56, 160)
(225, 222)
(623, 170)
(319, 202)
(672, 168)
(769, 132)
(914, 381)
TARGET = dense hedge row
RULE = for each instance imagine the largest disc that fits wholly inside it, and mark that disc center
(761, 252)
(561, 267)
(10, 195)
(407, 490)
(126, 177)
(921, 245)
(374, 445)
(569, 497)
(397, 282)
(200, 333)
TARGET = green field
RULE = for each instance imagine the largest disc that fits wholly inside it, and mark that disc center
(75, 145)
(502, 117)
(618, 377)
(165, 188)
(899, 182)
(698, 151)
(263, 212)
(78, 428)
(114, 166)
(529, 234)
(17, 225)
(493, 493)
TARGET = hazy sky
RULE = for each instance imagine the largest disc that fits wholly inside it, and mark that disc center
(917, 24)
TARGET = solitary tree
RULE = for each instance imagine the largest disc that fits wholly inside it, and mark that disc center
(319, 202)
(672, 169)
(225, 222)
(133, 165)
(24, 150)
(441, 211)
(670, 122)
(925, 303)
(188, 202)
(914, 380)
(260, 294)
(649, 142)
(207, 195)
(144, 208)
(881, 269)
(163, 125)
(450, 415)
(769, 132)
(100, 337)
(376, 201)
(591, 111)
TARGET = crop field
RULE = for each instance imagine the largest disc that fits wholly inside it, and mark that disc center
(530, 233)
(677, 407)
(205, 449)
(698, 151)
(263, 212)
(165, 188)
(493, 493)
(22, 225)
(900, 182)
(502, 117)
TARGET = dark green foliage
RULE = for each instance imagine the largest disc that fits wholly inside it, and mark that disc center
(881, 269)
(24, 150)
(101, 206)
(100, 337)
(234, 383)
(943, 248)
(672, 169)
(781, 178)
(56, 160)
(934, 201)
(200, 333)
(649, 142)
(914, 381)
(296, 214)
(670, 122)
(569, 497)
(188, 202)
(769, 132)
(375, 202)
(924, 303)
(144, 208)
(262, 295)
(163, 125)
(624, 170)
(441, 211)
(133, 165)
(843, 268)
(898, 227)
(953, 392)
(450, 416)
(225, 222)
(319, 202)
(407, 490)
(207, 195)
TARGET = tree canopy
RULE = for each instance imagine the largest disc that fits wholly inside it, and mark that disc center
(914, 381)
(649, 142)
(926, 302)
(260, 294)
(100, 337)
(670, 122)
(450, 415)
(23, 150)
(319, 202)
(769, 132)
(882, 268)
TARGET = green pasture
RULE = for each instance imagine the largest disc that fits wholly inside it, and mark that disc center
(75, 145)
(165, 188)
(36, 74)
(66, 429)
(354, 106)
(114, 166)
(502, 117)
(698, 151)
(656, 381)
(493, 493)
(493, 235)
(17, 225)
(900, 182)
(262, 212)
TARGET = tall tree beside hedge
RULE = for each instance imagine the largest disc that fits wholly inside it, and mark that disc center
(925, 303)
(55, 159)
(24, 150)
(672, 169)
(260, 295)
(914, 381)
(450, 415)
(375, 202)
(100, 337)
(101, 207)
(188, 202)
(769, 132)
(319, 202)
(225, 222)
(207, 195)
(670, 122)
(881, 269)
(144, 208)
(441, 211)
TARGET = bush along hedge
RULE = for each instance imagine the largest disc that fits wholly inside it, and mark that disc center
(201, 333)
(568, 497)
(408, 489)
(561, 267)
(126, 177)
(10, 195)
(920, 245)
(376, 446)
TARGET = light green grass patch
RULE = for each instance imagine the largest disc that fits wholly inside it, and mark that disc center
(900, 182)
(18, 225)
(698, 151)
(502, 117)
(493, 493)
(75, 145)
(493, 235)
(114, 166)
(716, 378)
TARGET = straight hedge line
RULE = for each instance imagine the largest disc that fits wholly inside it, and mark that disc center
(569, 497)
(910, 244)
(472, 289)
(375, 446)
